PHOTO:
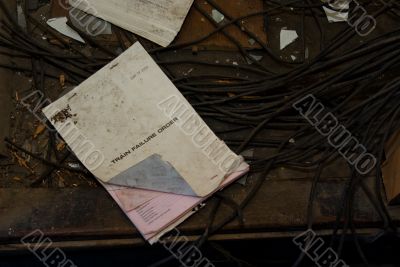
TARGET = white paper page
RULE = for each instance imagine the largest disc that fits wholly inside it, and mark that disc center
(156, 20)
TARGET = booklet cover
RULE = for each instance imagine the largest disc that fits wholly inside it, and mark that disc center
(130, 126)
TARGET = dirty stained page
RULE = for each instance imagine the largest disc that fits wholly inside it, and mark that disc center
(156, 20)
(130, 126)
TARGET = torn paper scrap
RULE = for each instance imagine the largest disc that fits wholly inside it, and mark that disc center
(157, 20)
(60, 25)
(21, 17)
(340, 12)
(130, 126)
(287, 37)
(217, 16)
(253, 58)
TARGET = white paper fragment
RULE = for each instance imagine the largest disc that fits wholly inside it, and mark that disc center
(252, 41)
(157, 20)
(255, 57)
(248, 153)
(74, 165)
(338, 16)
(287, 37)
(21, 17)
(60, 25)
(217, 16)
(293, 57)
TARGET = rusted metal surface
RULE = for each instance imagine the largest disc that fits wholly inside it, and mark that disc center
(62, 213)
(6, 106)
(58, 8)
(196, 25)
(90, 214)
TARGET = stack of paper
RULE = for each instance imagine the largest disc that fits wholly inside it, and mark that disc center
(131, 127)
(155, 213)
(156, 20)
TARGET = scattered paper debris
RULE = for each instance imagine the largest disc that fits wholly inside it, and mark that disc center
(252, 41)
(217, 16)
(248, 153)
(338, 16)
(254, 57)
(188, 72)
(60, 25)
(21, 17)
(287, 37)
(74, 165)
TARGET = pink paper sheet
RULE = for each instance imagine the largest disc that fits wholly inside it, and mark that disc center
(151, 212)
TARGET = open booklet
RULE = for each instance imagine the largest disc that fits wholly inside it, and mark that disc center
(132, 128)
(156, 20)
